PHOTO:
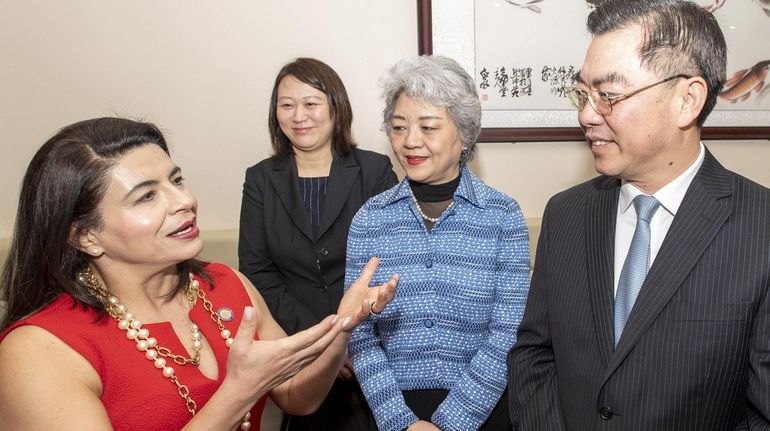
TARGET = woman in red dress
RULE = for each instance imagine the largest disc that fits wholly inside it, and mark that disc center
(112, 324)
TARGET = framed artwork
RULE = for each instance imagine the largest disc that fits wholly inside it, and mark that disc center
(523, 53)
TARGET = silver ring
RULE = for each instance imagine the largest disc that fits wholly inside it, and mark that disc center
(372, 313)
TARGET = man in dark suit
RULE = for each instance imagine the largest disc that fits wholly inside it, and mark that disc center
(648, 307)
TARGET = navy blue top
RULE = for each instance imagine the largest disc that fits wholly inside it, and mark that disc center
(313, 191)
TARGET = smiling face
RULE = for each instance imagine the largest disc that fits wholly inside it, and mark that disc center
(304, 116)
(639, 141)
(148, 214)
(425, 141)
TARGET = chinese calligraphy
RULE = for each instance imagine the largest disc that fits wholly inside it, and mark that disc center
(558, 78)
(516, 82)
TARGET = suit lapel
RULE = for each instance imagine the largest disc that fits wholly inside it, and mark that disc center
(600, 230)
(701, 215)
(285, 181)
(342, 177)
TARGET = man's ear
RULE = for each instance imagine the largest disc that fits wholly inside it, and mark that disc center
(693, 95)
(86, 241)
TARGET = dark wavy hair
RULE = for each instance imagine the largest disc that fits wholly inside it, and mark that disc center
(60, 194)
(320, 76)
(680, 37)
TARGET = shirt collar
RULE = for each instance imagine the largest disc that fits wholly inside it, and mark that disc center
(671, 195)
(468, 189)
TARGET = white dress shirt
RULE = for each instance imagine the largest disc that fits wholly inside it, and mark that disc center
(670, 197)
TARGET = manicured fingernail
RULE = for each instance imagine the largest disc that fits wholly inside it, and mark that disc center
(346, 322)
(335, 319)
(248, 313)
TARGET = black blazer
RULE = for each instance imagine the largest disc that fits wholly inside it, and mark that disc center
(299, 276)
(695, 352)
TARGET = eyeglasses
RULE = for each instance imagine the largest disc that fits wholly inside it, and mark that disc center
(602, 101)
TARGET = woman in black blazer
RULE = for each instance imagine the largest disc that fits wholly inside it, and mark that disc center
(296, 210)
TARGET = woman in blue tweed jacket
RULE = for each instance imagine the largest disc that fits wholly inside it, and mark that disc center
(435, 357)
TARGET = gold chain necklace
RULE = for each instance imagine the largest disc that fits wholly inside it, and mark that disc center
(149, 345)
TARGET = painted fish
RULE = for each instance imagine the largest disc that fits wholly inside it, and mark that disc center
(714, 6)
(527, 4)
(762, 94)
(765, 5)
(744, 82)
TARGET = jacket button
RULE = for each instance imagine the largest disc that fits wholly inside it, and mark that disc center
(605, 413)
(428, 263)
(324, 252)
(428, 323)
(324, 288)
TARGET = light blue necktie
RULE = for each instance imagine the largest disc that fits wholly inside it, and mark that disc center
(637, 262)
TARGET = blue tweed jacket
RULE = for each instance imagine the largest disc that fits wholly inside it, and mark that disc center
(462, 293)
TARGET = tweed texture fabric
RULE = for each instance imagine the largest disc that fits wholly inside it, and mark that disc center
(461, 296)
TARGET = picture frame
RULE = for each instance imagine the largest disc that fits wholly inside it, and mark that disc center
(447, 27)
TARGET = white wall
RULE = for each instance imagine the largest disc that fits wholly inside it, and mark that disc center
(203, 71)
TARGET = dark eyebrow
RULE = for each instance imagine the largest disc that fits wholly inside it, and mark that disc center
(312, 96)
(612, 77)
(141, 185)
(149, 183)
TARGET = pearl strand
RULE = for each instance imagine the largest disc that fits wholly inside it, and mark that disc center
(422, 214)
(149, 345)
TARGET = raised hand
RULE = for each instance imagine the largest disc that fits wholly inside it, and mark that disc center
(360, 299)
(259, 366)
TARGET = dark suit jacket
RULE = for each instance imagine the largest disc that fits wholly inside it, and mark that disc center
(695, 352)
(299, 276)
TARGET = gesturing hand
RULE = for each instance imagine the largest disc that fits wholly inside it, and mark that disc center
(360, 299)
(259, 366)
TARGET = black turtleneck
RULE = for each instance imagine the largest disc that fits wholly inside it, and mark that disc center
(433, 200)
(434, 193)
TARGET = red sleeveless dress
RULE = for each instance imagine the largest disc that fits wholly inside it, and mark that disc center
(135, 393)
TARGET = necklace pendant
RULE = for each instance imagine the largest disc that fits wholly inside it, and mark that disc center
(226, 314)
(149, 346)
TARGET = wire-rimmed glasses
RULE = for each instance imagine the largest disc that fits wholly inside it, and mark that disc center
(602, 101)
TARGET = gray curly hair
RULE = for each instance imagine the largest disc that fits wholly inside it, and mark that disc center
(439, 81)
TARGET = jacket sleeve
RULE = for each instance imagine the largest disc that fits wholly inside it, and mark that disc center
(479, 388)
(255, 263)
(378, 173)
(370, 363)
(388, 178)
(758, 393)
(533, 395)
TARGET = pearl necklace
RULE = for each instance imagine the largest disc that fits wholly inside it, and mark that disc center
(149, 345)
(422, 214)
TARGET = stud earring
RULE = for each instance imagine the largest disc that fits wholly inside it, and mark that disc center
(95, 251)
